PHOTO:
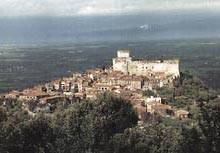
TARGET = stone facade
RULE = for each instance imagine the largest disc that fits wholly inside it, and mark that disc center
(158, 68)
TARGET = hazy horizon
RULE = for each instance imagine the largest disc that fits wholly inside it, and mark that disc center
(169, 25)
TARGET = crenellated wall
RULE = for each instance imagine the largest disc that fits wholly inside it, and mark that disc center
(125, 64)
(167, 67)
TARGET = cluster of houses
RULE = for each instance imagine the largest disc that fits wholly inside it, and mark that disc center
(88, 85)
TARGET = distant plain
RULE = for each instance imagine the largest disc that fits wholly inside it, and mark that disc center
(23, 66)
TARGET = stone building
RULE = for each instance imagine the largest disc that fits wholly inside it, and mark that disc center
(124, 63)
(181, 114)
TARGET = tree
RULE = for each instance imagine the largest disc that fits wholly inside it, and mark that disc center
(149, 93)
(191, 140)
(91, 124)
(38, 136)
(3, 115)
(147, 138)
(210, 125)
(35, 136)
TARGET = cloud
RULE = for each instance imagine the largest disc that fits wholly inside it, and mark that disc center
(98, 7)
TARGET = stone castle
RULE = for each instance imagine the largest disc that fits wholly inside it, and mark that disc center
(166, 68)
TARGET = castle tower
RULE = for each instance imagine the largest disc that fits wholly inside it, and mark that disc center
(121, 62)
(123, 53)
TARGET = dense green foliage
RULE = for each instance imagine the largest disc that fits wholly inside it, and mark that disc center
(109, 125)
(149, 93)
(83, 127)
(187, 90)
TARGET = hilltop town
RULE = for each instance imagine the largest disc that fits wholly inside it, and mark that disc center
(127, 78)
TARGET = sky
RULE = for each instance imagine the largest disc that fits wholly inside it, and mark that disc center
(99, 7)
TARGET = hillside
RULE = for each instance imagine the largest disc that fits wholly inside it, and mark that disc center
(110, 124)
